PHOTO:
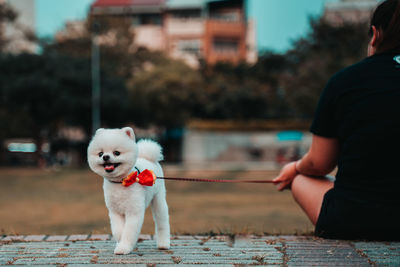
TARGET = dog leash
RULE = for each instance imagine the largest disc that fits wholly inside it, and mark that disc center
(216, 180)
(186, 179)
(148, 178)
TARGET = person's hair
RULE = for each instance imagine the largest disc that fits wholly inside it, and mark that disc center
(386, 19)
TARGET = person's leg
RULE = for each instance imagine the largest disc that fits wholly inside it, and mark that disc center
(309, 193)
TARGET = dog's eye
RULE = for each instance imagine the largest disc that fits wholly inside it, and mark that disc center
(101, 154)
(117, 153)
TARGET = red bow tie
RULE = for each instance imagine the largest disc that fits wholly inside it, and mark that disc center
(146, 177)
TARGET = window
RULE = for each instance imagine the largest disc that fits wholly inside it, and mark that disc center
(146, 19)
(186, 14)
(191, 46)
(230, 16)
(151, 19)
(226, 45)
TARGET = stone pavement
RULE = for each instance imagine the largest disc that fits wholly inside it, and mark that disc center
(77, 250)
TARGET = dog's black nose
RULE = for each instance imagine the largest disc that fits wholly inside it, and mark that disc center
(106, 157)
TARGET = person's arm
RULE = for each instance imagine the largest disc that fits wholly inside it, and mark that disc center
(320, 160)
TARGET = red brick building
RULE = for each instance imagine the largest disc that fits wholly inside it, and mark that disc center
(191, 30)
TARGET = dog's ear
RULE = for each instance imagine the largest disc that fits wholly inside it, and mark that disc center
(129, 132)
(99, 130)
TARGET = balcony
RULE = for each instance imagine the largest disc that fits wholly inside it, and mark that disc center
(224, 28)
(186, 27)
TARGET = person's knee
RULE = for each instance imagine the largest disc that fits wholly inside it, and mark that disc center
(304, 184)
(304, 188)
(298, 185)
(309, 192)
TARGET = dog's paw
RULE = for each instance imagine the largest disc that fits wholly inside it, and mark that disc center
(122, 249)
(163, 244)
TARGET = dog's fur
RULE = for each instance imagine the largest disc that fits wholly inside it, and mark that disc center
(126, 205)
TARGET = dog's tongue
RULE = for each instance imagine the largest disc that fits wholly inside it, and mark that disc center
(109, 167)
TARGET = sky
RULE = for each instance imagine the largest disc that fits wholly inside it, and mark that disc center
(51, 15)
(278, 22)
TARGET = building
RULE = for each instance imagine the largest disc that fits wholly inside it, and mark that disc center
(17, 33)
(190, 30)
(349, 11)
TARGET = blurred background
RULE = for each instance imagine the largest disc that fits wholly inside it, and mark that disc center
(227, 87)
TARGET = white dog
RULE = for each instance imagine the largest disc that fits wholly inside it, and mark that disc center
(114, 154)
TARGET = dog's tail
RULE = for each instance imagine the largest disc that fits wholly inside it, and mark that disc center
(150, 150)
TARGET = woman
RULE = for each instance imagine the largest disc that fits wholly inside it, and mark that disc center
(357, 129)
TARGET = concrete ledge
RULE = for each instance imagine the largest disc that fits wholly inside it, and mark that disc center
(76, 250)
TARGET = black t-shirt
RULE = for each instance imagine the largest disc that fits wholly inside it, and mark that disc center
(360, 107)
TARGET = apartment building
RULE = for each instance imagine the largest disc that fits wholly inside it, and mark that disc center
(190, 30)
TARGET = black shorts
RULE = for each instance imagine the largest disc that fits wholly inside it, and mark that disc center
(342, 217)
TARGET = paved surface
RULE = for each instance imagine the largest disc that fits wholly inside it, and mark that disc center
(77, 250)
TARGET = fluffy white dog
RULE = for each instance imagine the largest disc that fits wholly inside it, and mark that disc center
(114, 154)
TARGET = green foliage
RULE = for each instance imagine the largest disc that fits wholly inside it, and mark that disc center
(167, 95)
(40, 93)
(27, 96)
(233, 92)
(316, 57)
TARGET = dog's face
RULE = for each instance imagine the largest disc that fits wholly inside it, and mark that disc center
(112, 153)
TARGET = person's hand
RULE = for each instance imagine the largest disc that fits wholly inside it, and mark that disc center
(286, 176)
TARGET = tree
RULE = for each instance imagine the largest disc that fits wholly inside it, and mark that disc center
(120, 60)
(316, 57)
(119, 56)
(166, 95)
(42, 93)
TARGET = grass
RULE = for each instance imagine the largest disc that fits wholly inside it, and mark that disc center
(70, 201)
